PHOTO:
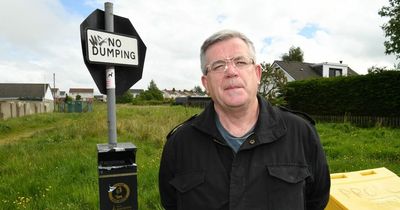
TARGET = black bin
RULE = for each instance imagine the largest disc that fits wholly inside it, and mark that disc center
(117, 176)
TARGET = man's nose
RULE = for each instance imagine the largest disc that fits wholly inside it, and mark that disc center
(230, 68)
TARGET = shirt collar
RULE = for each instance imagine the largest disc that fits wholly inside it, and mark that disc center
(269, 127)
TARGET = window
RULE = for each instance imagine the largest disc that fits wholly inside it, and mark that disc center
(333, 72)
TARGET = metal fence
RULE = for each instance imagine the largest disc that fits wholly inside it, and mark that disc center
(365, 121)
(74, 106)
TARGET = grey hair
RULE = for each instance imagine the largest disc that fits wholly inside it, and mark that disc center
(222, 36)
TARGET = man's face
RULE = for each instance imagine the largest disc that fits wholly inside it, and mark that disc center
(235, 87)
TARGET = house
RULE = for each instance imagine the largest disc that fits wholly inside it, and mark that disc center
(20, 99)
(86, 94)
(173, 94)
(58, 95)
(136, 92)
(100, 97)
(55, 92)
(295, 70)
(62, 94)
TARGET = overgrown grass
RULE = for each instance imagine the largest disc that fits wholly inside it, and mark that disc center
(350, 148)
(49, 161)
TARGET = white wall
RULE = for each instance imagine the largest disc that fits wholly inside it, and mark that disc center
(327, 66)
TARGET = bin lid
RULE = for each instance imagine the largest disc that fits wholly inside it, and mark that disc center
(377, 188)
(120, 147)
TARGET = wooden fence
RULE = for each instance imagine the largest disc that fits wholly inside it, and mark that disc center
(365, 121)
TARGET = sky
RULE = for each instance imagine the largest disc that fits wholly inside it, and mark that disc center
(40, 39)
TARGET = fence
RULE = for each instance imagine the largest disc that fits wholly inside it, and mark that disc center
(74, 106)
(19, 108)
(193, 101)
(365, 121)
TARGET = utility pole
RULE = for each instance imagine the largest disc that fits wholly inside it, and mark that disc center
(54, 92)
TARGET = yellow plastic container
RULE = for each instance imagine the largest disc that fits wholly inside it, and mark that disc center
(377, 189)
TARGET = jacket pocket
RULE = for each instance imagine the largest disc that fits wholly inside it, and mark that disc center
(290, 174)
(287, 186)
(193, 192)
(186, 181)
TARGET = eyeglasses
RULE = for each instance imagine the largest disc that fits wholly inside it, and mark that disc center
(240, 63)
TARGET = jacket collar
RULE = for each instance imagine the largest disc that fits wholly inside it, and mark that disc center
(205, 122)
(269, 127)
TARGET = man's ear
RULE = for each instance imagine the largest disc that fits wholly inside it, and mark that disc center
(258, 72)
(204, 81)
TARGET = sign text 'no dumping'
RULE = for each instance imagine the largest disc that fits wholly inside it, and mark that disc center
(111, 48)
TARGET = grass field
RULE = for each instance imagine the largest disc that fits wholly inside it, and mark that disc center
(49, 161)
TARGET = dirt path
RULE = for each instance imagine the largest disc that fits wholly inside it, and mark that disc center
(16, 137)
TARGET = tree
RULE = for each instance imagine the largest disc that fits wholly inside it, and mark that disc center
(376, 69)
(152, 93)
(392, 27)
(197, 89)
(273, 80)
(127, 97)
(68, 98)
(295, 54)
(78, 97)
(396, 66)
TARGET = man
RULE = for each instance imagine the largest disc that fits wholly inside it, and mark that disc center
(241, 153)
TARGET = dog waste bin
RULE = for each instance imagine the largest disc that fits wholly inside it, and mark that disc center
(117, 176)
(78, 106)
(371, 189)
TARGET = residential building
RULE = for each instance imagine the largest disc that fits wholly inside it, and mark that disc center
(136, 92)
(295, 70)
(100, 97)
(173, 94)
(19, 99)
(85, 93)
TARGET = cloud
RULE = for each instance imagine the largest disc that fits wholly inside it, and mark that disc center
(42, 37)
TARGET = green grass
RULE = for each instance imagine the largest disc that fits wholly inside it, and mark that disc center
(350, 148)
(49, 161)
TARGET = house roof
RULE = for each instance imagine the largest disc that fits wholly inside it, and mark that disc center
(27, 91)
(136, 91)
(351, 72)
(298, 70)
(81, 90)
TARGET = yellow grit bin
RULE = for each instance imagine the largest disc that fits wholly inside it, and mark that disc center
(372, 189)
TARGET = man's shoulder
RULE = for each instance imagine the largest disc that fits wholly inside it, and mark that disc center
(300, 114)
(179, 126)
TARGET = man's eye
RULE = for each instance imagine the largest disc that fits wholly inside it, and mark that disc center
(218, 67)
(240, 62)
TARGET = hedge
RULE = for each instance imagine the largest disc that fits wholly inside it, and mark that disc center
(376, 94)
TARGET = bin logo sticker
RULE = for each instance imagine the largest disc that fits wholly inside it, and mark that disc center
(119, 192)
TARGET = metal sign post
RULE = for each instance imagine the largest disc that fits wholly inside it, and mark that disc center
(114, 55)
(110, 81)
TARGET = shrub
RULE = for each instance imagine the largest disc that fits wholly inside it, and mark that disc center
(371, 95)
